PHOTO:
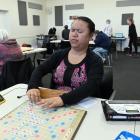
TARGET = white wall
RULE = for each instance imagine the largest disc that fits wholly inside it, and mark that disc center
(10, 21)
(99, 11)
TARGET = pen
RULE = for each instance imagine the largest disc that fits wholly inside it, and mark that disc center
(21, 96)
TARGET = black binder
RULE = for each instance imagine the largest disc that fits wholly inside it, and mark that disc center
(112, 115)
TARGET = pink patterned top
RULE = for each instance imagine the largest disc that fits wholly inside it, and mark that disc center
(68, 77)
(9, 50)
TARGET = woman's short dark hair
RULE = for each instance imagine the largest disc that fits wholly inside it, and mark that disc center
(90, 23)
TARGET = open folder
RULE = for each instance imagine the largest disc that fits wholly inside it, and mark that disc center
(121, 110)
(48, 93)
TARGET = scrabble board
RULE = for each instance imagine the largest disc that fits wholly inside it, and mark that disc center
(31, 122)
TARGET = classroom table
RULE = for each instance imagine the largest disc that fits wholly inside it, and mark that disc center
(137, 128)
(120, 40)
(32, 50)
(28, 51)
(96, 127)
(59, 41)
(93, 127)
(91, 42)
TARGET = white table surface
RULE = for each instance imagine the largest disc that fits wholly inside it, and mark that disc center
(59, 41)
(137, 128)
(91, 42)
(118, 38)
(55, 41)
(12, 101)
(94, 126)
(34, 50)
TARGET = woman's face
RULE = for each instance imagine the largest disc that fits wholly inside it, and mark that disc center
(79, 34)
(128, 22)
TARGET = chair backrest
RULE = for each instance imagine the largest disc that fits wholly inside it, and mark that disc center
(15, 72)
(46, 41)
(46, 44)
(64, 44)
(107, 83)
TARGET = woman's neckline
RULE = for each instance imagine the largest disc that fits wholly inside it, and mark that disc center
(66, 60)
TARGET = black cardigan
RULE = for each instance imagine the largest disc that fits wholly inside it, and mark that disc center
(90, 88)
(132, 32)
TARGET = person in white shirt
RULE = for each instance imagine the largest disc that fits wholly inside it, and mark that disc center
(108, 29)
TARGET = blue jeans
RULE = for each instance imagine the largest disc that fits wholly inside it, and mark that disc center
(101, 52)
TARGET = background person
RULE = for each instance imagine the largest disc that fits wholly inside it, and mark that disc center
(52, 33)
(108, 28)
(9, 49)
(65, 33)
(132, 34)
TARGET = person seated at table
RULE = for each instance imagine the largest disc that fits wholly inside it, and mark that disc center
(102, 44)
(9, 49)
(77, 70)
(65, 33)
(52, 33)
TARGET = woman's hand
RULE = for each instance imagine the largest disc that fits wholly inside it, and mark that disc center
(51, 102)
(33, 95)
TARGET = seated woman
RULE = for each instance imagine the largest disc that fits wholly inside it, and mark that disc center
(77, 71)
(9, 49)
(102, 44)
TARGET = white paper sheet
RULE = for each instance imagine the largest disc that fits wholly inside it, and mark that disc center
(87, 102)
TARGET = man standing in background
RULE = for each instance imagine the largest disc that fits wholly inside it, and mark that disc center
(108, 29)
(65, 33)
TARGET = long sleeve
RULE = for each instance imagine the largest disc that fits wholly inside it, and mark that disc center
(132, 31)
(90, 88)
(9, 50)
(2, 56)
(47, 67)
(102, 40)
(15, 53)
(63, 36)
(40, 71)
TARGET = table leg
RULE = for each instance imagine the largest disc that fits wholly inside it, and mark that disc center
(37, 42)
(116, 49)
(34, 59)
(121, 45)
(135, 127)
